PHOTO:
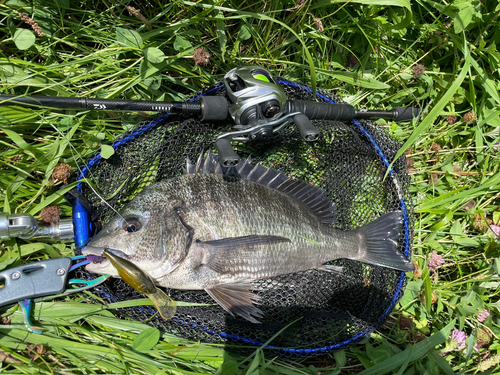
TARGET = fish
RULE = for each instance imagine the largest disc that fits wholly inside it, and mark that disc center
(219, 229)
(142, 282)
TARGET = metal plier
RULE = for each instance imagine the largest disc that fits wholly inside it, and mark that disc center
(23, 283)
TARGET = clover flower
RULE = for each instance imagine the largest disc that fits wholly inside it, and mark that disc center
(495, 230)
(458, 338)
(435, 260)
(482, 315)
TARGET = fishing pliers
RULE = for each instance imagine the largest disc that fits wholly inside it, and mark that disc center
(24, 283)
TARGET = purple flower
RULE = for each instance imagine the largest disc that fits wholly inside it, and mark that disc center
(458, 338)
(435, 260)
(495, 230)
(482, 315)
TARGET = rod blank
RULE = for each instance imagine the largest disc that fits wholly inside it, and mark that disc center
(209, 108)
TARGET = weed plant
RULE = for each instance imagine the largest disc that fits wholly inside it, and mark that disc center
(440, 56)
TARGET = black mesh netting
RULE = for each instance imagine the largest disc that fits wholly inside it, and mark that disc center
(349, 161)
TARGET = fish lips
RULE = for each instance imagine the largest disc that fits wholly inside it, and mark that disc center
(103, 264)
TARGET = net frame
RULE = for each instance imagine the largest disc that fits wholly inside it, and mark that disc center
(310, 330)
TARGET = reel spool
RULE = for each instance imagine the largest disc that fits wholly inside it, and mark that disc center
(322, 311)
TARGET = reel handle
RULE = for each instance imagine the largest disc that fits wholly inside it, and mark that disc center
(308, 131)
(227, 156)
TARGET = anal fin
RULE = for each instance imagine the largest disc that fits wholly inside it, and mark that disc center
(237, 299)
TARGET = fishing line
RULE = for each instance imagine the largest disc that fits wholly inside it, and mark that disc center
(84, 178)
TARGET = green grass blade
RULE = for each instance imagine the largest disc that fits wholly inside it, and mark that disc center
(414, 352)
(398, 3)
(437, 110)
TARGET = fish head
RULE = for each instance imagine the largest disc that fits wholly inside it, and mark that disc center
(148, 233)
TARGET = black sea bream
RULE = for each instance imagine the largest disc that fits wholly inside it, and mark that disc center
(202, 230)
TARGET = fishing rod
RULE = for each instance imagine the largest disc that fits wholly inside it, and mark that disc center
(209, 108)
(258, 105)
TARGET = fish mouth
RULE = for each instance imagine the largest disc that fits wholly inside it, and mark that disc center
(100, 263)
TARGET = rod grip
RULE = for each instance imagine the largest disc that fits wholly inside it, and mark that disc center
(321, 111)
(405, 113)
(214, 108)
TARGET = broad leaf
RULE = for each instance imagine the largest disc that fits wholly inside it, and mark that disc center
(463, 18)
(244, 33)
(181, 43)
(107, 151)
(146, 340)
(24, 39)
(129, 38)
(154, 55)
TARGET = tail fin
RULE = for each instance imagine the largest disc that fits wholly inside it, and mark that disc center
(381, 243)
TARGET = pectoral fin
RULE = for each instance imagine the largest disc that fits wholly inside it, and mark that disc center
(237, 299)
(164, 304)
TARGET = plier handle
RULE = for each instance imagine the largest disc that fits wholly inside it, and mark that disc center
(23, 283)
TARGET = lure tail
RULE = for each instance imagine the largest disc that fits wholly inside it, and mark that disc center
(164, 304)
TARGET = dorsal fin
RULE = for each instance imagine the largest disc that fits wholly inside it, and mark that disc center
(209, 164)
(310, 195)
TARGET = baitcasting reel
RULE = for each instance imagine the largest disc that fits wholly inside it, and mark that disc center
(261, 108)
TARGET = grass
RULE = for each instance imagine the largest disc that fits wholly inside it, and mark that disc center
(374, 54)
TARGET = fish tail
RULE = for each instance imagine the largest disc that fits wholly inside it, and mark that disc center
(379, 242)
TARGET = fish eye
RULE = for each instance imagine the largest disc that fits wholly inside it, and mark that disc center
(132, 225)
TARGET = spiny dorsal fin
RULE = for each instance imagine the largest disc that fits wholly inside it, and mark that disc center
(209, 164)
(312, 196)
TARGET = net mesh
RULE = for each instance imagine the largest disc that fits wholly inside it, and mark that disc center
(322, 311)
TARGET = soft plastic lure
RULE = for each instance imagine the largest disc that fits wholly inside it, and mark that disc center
(142, 282)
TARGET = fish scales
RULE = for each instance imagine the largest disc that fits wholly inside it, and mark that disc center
(204, 231)
(245, 208)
